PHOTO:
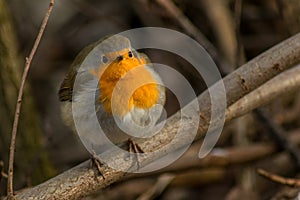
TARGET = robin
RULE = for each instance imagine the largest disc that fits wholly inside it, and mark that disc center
(127, 93)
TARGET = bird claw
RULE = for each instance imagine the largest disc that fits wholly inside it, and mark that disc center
(97, 162)
(136, 149)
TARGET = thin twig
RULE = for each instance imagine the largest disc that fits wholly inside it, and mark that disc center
(185, 23)
(289, 114)
(190, 28)
(2, 173)
(279, 179)
(278, 134)
(240, 52)
(223, 27)
(19, 101)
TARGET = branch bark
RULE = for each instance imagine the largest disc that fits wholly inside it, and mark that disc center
(282, 84)
(80, 180)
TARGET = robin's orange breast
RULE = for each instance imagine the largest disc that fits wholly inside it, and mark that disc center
(135, 83)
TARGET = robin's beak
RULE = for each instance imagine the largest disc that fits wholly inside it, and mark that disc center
(119, 58)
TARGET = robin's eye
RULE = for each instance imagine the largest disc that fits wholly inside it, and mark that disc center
(130, 54)
(104, 59)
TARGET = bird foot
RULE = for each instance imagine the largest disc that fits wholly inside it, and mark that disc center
(95, 161)
(136, 149)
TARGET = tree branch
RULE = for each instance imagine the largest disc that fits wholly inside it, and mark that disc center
(223, 157)
(284, 83)
(80, 180)
(279, 179)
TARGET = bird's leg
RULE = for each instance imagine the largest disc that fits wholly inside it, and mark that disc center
(136, 149)
(95, 160)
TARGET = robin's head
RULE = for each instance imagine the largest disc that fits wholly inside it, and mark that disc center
(123, 65)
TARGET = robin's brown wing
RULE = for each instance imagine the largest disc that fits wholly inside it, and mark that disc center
(147, 59)
(66, 88)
